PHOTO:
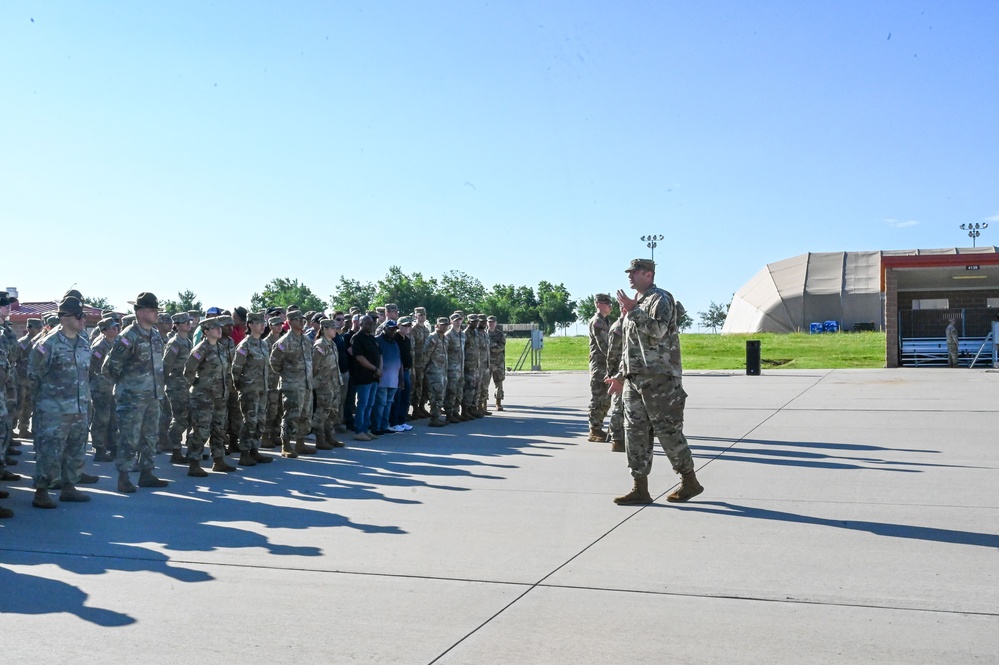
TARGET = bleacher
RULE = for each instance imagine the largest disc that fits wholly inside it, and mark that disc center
(932, 351)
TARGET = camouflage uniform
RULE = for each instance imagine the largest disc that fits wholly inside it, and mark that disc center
(175, 357)
(419, 335)
(599, 399)
(653, 387)
(497, 361)
(59, 368)
(952, 344)
(326, 378)
(615, 345)
(482, 380)
(135, 364)
(435, 369)
(205, 371)
(8, 341)
(25, 387)
(234, 415)
(291, 360)
(272, 415)
(455, 377)
(250, 375)
(471, 367)
(104, 418)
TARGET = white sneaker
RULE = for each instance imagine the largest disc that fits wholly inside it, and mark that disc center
(406, 427)
(397, 428)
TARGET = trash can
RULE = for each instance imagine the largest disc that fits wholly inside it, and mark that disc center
(831, 326)
(815, 328)
(753, 357)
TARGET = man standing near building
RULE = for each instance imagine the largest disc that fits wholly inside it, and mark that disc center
(652, 386)
(599, 399)
(135, 364)
(291, 359)
(59, 366)
(951, 342)
(497, 359)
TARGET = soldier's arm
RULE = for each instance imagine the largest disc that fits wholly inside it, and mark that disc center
(114, 361)
(38, 364)
(276, 357)
(191, 366)
(655, 322)
(238, 365)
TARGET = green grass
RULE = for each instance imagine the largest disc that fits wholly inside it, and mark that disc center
(705, 351)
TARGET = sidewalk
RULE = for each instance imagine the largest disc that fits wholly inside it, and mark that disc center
(849, 516)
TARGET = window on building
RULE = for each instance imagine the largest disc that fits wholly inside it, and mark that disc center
(992, 302)
(931, 303)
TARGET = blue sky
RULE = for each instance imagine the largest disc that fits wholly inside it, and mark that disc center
(212, 147)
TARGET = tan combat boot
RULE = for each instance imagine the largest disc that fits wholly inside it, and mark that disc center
(321, 442)
(194, 469)
(148, 479)
(617, 446)
(689, 488)
(219, 464)
(499, 404)
(246, 458)
(639, 494)
(303, 449)
(597, 434)
(288, 450)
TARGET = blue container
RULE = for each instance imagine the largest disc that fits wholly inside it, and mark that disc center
(832, 326)
(815, 328)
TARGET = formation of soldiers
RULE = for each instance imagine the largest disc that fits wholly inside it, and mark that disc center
(226, 383)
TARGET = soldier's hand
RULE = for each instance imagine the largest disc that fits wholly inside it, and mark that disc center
(614, 386)
(627, 304)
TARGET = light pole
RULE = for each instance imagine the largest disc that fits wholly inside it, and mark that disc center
(974, 230)
(651, 241)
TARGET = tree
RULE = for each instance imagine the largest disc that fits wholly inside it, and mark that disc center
(282, 292)
(351, 293)
(185, 302)
(100, 302)
(409, 292)
(463, 291)
(715, 317)
(555, 309)
(683, 320)
(586, 308)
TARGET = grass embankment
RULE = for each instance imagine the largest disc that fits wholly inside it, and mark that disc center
(706, 351)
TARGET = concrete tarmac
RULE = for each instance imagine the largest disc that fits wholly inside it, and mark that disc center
(849, 516)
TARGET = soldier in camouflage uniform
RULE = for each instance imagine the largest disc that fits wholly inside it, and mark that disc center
(59, 365)
(272, 414)
(205, 371)
(326, 378)
(25, 388)
(234, 417)
(652, 386)
(435, 369)
(135, 364)
(470, 382)
(291, 359)
(8, 389)
(104, 419)
(455, 369)
(419, 334)
(250, 373)
(482, 347)
(615, 345)
(164, 324)
(178, 350)
(497, 359)
(599, 399)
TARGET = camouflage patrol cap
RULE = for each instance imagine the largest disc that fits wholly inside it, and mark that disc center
(379, 310)
(456, 317)
(256, 317)
(34, 323)
(70, 306)
(641, 264)
(210, 322)
(391, 307)
(193, 313)
(275, 321)
(127, 320)
(490, 318)
(354, 310)
(294, 314)
(328, 323)
(316, 318)
(163, 317)
(602, 298)
(405, 321)
(181, 318)
(105, 323)
(459, 312)
(442, 321)
(473, 318)
(51, 319)
(420, 310)
(293, 308)
(224, 320)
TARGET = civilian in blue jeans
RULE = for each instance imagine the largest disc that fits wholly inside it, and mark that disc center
(366, 371)
(388, 383)
(400, 407)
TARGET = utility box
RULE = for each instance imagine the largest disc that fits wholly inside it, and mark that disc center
(753, 357)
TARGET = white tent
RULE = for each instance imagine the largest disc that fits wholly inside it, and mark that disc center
(789, 295)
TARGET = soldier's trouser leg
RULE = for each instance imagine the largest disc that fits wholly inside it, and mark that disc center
(653, 406)
(100, 428)
(498, 377)
(220, 418)
(138, 430)
(6, 432)
(234, 417)
(60, 450)
(437, 384)
(599, 400)
(468, 389)
(252, 406)
(180, 416)
(297, 414)
(455, 386)
(323, 413)
(163, 438)
(26, 405)
(202, 410)
(483, 387)
(272, 421)
(416, 397)
(617, 419)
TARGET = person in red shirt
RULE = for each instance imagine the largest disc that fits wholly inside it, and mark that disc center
(238, 325)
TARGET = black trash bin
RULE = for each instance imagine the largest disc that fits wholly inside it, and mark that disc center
(753, 357)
